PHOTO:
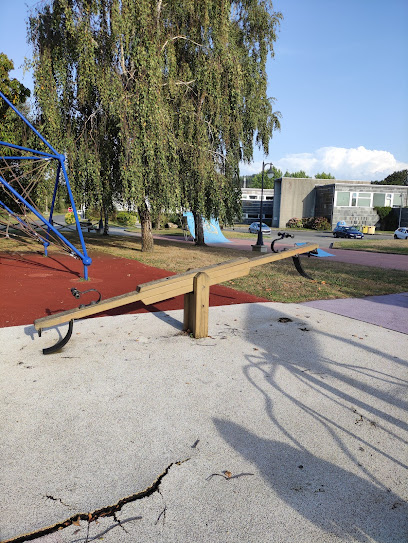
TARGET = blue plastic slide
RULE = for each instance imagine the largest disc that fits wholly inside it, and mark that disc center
(212, 230)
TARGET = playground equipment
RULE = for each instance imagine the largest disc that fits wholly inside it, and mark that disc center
(193, 284)
(211, 228)
(20, 175)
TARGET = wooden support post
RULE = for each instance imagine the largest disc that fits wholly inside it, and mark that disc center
(196, 305)
(188, 311)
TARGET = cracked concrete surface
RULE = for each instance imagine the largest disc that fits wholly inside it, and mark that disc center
(95, 516)
(295, 431)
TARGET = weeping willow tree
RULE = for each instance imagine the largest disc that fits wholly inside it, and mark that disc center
(217, 61)
(156, 103)
(144, 107)
(72, 47)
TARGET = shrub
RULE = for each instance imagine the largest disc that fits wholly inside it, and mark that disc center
(388, 219)
(126, 218)
(69, 218)
(314, 223)
(174, 218)
(294, 223)
(320, 223)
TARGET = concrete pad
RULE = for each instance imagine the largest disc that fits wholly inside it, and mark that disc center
(388, 311)
(285, 424)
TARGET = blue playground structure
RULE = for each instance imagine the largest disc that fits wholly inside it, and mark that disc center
(212, 230)
(18, 190)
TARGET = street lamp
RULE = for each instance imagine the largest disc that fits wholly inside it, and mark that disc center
(259, 243)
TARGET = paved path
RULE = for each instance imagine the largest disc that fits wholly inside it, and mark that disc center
(389, 311)
(286, 424)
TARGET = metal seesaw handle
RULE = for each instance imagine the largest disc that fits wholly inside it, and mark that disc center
(61, 342)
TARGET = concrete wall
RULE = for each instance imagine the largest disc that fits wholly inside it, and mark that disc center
(297, 198)
(277, 202)
(355, 216)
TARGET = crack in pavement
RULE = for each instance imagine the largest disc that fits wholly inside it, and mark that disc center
(108, 511)
(56, 500)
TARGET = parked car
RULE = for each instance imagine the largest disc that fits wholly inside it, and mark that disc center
(347, 232)
(254, 228)
(401, 233)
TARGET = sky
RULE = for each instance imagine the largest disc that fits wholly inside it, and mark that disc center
(339, 77)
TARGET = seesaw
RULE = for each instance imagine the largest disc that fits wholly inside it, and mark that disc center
(194, 284)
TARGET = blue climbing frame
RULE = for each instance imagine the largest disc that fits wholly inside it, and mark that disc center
(60, 158)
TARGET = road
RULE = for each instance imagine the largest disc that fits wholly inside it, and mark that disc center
(324, 239)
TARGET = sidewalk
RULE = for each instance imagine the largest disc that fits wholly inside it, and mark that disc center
(286, 424)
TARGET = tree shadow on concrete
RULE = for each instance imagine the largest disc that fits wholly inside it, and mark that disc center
(336, 500)
(336, 408)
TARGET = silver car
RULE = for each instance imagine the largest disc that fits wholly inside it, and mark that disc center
(254, 228)
(401, 233)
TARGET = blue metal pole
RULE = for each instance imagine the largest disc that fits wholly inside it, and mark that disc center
(13, 146)
(55, 192)
(22, 158)
(85, 258)
(28, 123)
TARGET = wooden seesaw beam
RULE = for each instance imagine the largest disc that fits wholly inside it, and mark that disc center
(194, 284)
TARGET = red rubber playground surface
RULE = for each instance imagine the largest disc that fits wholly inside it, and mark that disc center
(33, 286)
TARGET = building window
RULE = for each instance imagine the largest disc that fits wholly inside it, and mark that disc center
(342, 199)
(378, 199)
(368, 199)
(397, 200)
(252, 197)
(269, 198)
(253, 216)
(364, 199)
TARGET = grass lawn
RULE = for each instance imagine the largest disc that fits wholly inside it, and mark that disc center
(278, 281)
(229, 234)
(394, 246)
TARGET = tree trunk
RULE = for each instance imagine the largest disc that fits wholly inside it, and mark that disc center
(199, 230)
(146, 223)
(106, 221)
(157, 222)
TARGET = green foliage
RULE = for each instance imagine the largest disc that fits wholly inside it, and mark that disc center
(396, 178)
(175, 218)
(299, 175)
(156, 102)
(255, 181)
(13, 130)
(12, 89)
(324, 175)
(315, 223)
(294, 223)
(126, 218)
(388, 219)
(69, 218)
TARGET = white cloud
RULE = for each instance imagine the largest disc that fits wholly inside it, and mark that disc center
(348, 164)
